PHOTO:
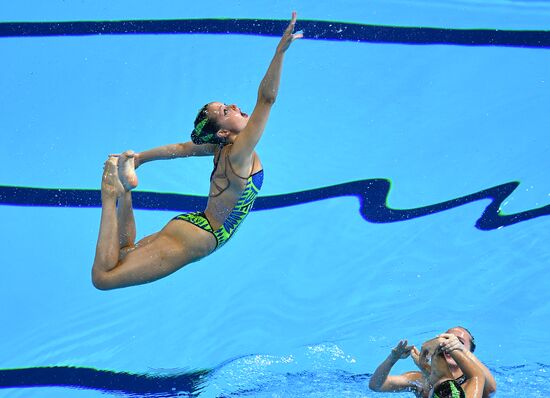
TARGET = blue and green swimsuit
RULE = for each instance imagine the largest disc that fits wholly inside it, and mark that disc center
(449, 389)
(238, 214)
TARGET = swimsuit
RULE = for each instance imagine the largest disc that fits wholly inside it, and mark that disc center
(461, 380)
(449, 389)
(240, 210)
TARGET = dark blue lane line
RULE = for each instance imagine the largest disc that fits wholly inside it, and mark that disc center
(106, 381)
(315, 30)
(372, 195)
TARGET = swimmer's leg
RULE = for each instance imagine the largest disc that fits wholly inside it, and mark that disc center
(147, 262)
(154, 257)
(126, 222)
(125, 213)
(127, 227)
(108, 247)
(179, 243)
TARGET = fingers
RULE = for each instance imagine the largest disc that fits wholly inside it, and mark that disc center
(449, 342)
(129, 153)
(289, 37)
(401, 345)
(402, 350)
(451, 346)
(290, 28)
(406, 348)
(292, 20)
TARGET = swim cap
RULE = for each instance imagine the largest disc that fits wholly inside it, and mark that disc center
(199, 135)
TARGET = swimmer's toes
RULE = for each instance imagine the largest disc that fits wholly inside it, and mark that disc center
(110, 164)
(126, 170)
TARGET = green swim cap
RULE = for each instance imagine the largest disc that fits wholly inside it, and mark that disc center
(198, 135)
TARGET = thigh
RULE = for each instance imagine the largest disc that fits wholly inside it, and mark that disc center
(145, 241)
(150, 261)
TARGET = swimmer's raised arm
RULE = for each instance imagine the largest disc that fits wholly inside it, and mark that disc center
(172, 151)
(475, 379)
(451, 343)
(245, 143)
(382, 381)
(467, 365)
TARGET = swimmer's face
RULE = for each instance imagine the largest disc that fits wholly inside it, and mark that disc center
(228, 117)
(464, 337)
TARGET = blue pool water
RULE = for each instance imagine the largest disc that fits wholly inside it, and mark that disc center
(406, 191)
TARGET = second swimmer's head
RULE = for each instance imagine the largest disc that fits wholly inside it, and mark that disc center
(218, 123)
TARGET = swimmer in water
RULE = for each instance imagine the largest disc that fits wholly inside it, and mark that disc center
(222, 131)
(416, 382)
(433, 357)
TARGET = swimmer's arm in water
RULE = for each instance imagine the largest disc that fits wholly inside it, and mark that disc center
(172, 151)
(475, 379)
(382, 381)
(466, 364)
(451, 343)
(243, 148)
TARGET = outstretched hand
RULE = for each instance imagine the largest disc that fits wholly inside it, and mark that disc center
(401, 350)
(289, 36)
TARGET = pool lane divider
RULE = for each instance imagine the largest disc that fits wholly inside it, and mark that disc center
(313, 30)
(106, 381)
(372, 194)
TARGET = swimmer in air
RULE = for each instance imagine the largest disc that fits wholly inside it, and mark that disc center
(222, 131)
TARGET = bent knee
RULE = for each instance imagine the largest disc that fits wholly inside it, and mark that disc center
(101, 281)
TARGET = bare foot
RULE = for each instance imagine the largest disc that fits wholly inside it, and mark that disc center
(110, 183)
(127, 170)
